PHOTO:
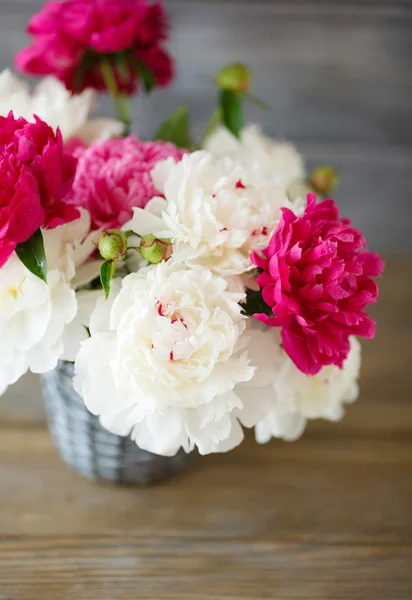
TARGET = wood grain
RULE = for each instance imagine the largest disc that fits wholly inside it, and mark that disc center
(318, 519)
(175, 569)
(336, 73)
(344, 490)
(327, 517)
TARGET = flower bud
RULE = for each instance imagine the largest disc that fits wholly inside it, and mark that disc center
(113, 245)
(235, 77)
(324, 180)
(154, 249)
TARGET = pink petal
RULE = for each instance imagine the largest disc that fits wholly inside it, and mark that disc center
(295, 346)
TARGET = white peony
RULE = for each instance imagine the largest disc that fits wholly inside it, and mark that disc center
(34, 314)
(213, 219)
(50, 101)
(263, 158)
(164, 356)
(294, 397)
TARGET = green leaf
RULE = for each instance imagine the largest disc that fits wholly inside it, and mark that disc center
(106, 275)
(176, 128)
(33, 256)
(214, 120)
(255, 304)
(146, 75)
(231, 106)
(258, 102)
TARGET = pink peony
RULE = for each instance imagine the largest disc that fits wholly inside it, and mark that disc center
(317, 280)
(113, 176)
(70, 36)
(34, 177)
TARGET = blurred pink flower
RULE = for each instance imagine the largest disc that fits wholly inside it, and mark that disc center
(35, 175)
(317, 280)
(113, 176)
(70, 36)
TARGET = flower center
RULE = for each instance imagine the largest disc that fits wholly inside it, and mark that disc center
(13, 291)
(8, 296)
(170, 311)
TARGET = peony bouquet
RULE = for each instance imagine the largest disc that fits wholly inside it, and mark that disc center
(199, 287)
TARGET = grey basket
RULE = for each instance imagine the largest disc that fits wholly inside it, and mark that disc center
(92, 450)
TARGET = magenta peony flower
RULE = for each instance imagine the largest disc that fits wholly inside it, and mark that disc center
(317, 280)
(70, 36)
(34, 177)
(113, 176)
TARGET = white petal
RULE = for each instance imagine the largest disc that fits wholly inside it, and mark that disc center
(288, 426)
(163, 359)
(77, 331)
(144, 221)
(99, 129)
(100, 317)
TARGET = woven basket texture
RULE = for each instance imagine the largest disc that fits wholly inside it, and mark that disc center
(92, 450)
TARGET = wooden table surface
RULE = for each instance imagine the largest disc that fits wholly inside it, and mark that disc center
(329, 516)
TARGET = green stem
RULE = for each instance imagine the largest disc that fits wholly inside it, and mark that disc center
(124, 112)
(120, 101)
(130, 233)
(230, 103)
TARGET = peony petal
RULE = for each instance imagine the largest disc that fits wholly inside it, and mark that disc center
(295, 345)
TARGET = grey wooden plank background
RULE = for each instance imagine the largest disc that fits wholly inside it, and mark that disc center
(338, 75)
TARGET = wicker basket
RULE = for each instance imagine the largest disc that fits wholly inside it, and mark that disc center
(89, 448)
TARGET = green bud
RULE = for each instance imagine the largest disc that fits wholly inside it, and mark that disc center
(154, 249)
(113, 245)
(324, 180)
(235, 77)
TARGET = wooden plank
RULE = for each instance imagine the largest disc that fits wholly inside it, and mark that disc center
(326, 517)
(352, 491)
(373, 178)
(330, 70)
(73, 568)
(336, 74)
